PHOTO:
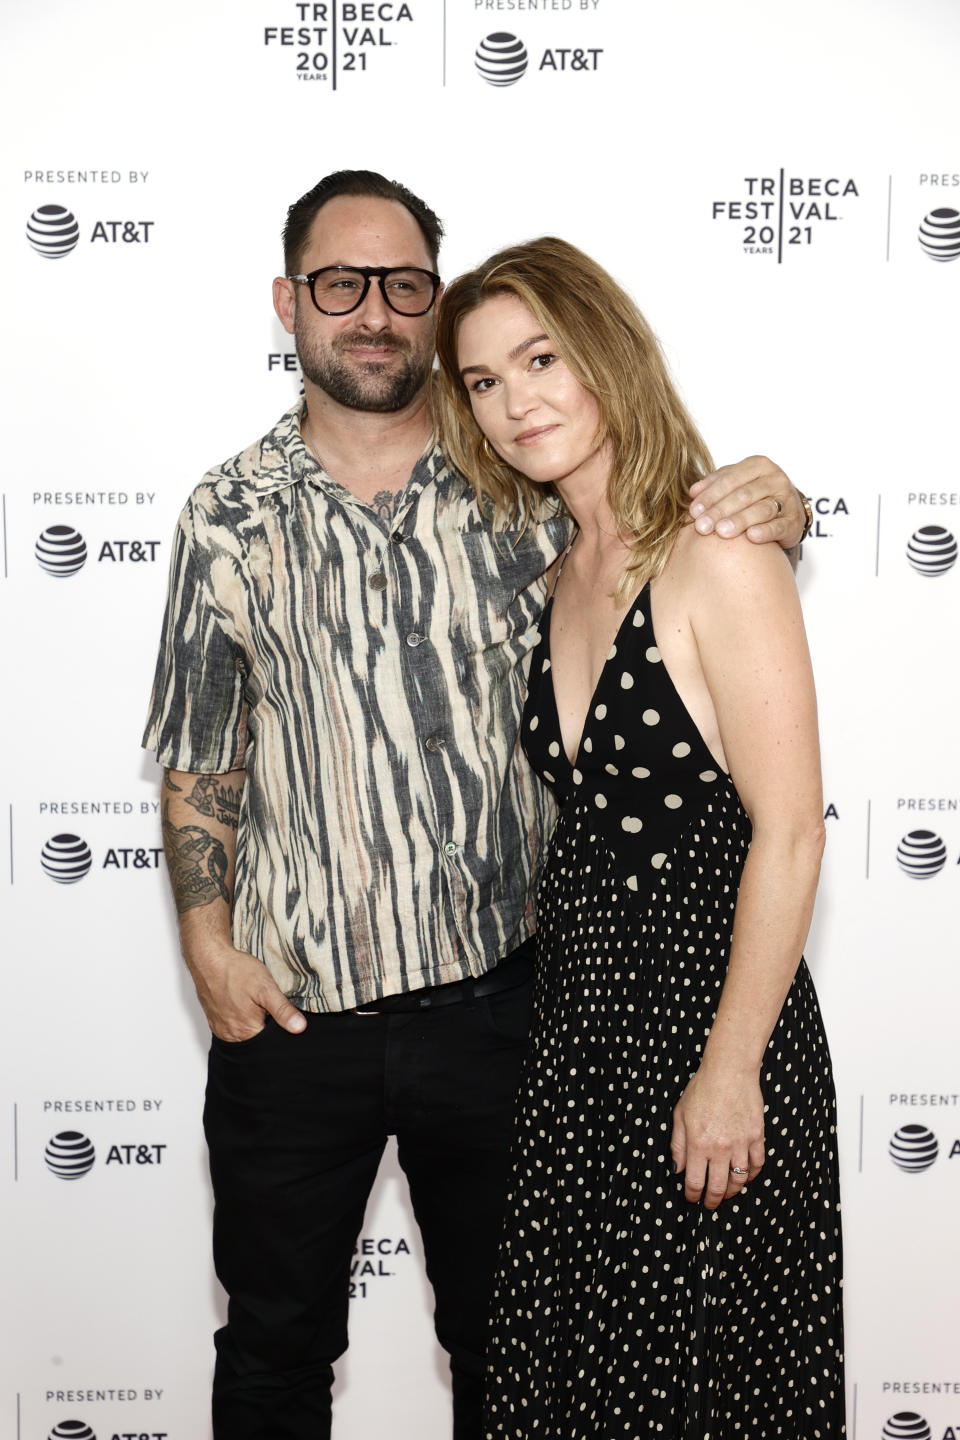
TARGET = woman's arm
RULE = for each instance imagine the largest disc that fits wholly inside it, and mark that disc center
(746, 621)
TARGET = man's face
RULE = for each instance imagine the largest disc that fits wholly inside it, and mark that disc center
(371, 359)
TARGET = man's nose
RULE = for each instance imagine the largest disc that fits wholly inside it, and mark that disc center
(374, 313)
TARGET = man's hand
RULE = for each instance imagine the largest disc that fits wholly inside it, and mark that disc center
(743, 498)
(200, 818)
(237, 992)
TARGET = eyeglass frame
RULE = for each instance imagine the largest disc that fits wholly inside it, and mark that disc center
(371, 272)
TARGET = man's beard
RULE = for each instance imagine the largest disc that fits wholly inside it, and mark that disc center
(369, 387)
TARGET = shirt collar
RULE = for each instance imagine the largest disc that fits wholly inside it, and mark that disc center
(285, 460)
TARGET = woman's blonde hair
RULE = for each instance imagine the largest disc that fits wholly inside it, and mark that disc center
(656, 450)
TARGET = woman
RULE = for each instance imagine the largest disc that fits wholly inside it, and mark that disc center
(671, 1257)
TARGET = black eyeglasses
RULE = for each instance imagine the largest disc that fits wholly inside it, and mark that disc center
(338, 289)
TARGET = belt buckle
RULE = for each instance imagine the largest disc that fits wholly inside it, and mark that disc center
(363, 1010)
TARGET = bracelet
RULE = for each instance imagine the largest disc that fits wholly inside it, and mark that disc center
(807, 517)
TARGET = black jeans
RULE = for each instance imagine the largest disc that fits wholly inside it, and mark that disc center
(296, 1126)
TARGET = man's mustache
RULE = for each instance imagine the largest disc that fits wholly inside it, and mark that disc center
(371, 342)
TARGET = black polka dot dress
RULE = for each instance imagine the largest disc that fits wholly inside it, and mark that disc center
(621, 1309)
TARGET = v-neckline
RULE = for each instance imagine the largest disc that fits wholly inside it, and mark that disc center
(548, 615)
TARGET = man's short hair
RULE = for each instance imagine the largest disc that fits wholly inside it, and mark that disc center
(365, 183)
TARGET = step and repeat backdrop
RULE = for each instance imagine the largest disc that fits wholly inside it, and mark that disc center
(779, 186)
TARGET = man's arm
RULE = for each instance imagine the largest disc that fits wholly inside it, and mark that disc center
(200, 817)
(744, 498)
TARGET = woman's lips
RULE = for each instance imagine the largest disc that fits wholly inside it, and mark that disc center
(530, 437)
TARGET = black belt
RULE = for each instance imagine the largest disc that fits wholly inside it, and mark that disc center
(517, 968)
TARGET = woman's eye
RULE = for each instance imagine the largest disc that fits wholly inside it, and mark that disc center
(544, 361)
(484, 383)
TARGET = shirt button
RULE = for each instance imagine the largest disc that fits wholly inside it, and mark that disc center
(451, 847)
(378, 581)
(398, 537)
(434, 743)
(413, 639)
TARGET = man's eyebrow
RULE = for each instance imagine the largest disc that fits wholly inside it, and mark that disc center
(513, 354)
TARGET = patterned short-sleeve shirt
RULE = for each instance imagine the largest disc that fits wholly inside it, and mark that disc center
(369, 677)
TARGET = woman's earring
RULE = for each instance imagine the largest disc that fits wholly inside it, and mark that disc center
(489, 451)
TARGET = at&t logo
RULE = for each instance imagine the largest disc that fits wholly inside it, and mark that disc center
(502, 59)
(932, 550)
(68, 858)
(906, 1425)
(921, 854)
(914, 1148)
(939, 234)
(53, 231)
(72, 1430)
(61, 551)
(70, 1155)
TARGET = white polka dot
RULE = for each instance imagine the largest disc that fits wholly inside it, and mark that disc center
(577, 777)
(611, 652)
(549, 778)
(682, 749)
(653, 655)
(708, 774)
(651, 717)
(588, 745)
(553, 748)
(672, 802)
(546, 665)
(657, 860)
(632, 824)
(641, 772)
(632, 881)
(601, 712)
(600, 801)
(618, 742)
(534, 722)
(639, 618)
(611, 769)
(626, 681)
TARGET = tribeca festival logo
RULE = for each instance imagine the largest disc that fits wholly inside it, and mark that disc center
(70, 1155)
(336, 37)
(932, 550)
(907, 1425)
(53, 231)
(780, 215)
(939, 234)
(914, 1148)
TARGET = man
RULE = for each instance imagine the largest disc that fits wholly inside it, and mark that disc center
(350, 831)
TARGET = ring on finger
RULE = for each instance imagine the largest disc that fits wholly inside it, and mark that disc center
(739, 1169)
(777, 503)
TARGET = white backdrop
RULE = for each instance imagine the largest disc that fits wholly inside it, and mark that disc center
(815, 326)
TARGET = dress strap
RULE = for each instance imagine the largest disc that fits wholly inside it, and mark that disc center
(563, 561)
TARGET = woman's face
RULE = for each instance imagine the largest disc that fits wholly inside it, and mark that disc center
(530, 406)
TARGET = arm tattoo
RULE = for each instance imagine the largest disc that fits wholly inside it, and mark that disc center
(219, 802)
(169, 785)
(198, 865)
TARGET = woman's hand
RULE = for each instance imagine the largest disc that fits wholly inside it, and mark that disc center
(717, 1130)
